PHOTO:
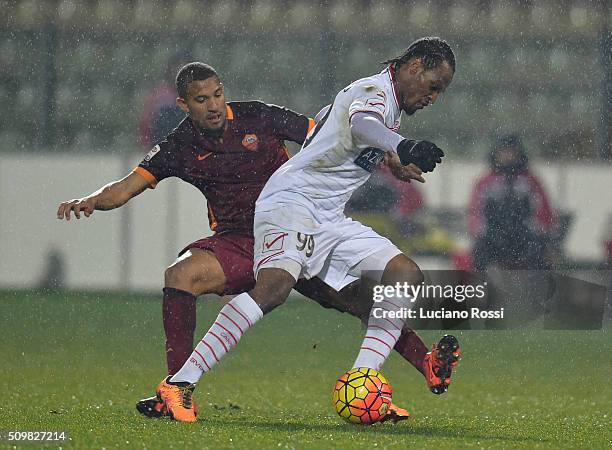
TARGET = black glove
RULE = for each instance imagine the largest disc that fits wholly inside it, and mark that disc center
(424, 154)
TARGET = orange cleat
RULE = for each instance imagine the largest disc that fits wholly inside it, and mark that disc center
(395, 414)
(440, 362)
(177, 400)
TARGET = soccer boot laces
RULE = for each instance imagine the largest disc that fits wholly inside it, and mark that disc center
(177, 399)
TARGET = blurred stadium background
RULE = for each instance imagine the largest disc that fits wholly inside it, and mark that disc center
(75, 76)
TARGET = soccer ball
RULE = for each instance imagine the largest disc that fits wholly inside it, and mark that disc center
(362, 395)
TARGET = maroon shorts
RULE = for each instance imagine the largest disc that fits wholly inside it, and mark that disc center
(234, 251)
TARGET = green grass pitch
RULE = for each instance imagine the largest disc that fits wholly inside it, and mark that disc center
(80, 362)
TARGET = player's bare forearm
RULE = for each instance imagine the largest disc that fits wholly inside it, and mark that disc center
(111, 196)
(401, 172)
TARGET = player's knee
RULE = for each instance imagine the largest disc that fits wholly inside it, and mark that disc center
(417, 274)
(180, 276)
(272, 289)
(402, 269)
(174, 275)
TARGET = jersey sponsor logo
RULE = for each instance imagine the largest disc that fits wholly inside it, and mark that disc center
(203, 157)
(152, 153)
(370, 158)
(273, 242)
(250, 142)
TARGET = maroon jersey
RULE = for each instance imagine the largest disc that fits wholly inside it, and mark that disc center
(232, 170)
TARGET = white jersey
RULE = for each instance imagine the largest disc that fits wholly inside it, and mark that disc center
(332, 164)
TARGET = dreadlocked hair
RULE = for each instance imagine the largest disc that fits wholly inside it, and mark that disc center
(433, 51)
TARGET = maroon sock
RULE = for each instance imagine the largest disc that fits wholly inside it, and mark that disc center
(179, 313)
(412, 348)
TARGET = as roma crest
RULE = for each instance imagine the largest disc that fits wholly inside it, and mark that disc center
(250, 142)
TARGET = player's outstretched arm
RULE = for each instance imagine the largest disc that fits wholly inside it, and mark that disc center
(111, 196)
(368, 128)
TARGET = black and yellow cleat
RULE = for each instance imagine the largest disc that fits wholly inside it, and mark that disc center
(440, 362)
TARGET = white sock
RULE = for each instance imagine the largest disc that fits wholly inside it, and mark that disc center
(233, 320)
(382, 334)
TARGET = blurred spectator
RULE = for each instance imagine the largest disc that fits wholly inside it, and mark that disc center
(509, 214)
(607, 244)
(161, 114)
(53, 278)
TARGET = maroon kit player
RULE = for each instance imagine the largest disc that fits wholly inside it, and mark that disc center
(228, 151)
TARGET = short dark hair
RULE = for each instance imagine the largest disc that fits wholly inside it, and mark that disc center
(433, 51)
(192, 72)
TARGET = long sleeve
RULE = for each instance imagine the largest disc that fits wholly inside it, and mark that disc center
(369, 131)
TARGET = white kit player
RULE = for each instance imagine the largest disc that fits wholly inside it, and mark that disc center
(300, 227)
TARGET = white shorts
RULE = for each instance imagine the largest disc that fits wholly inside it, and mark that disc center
(290, 238)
